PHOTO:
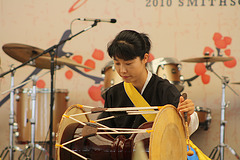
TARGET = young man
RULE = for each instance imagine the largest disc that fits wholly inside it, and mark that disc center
(130, 52)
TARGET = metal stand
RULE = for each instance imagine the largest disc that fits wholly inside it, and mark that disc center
(11, 148)
(30, 148)
(51, 50)
(221, 146)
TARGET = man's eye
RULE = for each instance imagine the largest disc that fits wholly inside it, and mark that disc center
(128, 63)
(117, 64)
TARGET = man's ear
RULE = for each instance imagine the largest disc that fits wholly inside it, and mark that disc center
(145, 58)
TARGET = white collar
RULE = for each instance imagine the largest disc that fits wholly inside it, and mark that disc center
(147, 80)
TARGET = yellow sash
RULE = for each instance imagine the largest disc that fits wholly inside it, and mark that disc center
(138, 100)
(200, 154)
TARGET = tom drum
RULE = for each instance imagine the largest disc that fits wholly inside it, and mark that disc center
(168, 68)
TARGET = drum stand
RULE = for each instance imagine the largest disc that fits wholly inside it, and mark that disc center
(11, 148)
(221, 146)
(30, 148)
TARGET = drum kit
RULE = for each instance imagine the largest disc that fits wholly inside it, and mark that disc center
(33, 103)
(79, 137)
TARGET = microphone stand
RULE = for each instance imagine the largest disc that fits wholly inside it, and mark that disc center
(52, 54)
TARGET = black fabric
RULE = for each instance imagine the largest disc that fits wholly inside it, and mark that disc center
(158, 92)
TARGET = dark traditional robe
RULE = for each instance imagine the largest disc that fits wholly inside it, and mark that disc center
(158, 92)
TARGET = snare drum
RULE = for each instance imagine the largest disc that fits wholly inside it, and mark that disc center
(111, 77)
(204, 116)
(168, 68)
(166, 141)
(42, 117)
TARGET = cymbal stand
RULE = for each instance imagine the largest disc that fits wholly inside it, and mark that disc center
(221, 146)
(30, 148)
(11, 148)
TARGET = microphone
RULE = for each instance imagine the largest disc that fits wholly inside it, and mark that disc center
(98, 20)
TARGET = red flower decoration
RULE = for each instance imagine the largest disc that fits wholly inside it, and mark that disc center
(228, 40)
(208, 50)
(151, 57)
(98, 54)
(230, 64)
(69, 74)
(78, 59)
(227, 52)
(217, 36)
(40, 84)
(95, 93)
(205, 78)
(200, 69)
(90, 63)
(221, 44)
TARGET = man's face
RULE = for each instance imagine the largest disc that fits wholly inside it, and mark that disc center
(131, 70)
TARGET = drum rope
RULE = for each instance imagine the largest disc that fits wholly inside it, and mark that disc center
(66, 116)
(72, 141)
(77, 154)
(103, 119)
(81, 114)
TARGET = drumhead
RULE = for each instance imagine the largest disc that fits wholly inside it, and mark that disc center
(154, 64)
(66, 124)
(168, 139)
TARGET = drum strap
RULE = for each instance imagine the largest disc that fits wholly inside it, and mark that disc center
(138, 100)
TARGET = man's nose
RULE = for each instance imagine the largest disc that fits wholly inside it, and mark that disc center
(123, 68)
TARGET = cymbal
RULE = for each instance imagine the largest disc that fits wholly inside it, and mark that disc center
(62, 61)
(235, 83)
(24, 53)
(207, 59)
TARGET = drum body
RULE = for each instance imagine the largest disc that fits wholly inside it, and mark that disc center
(42, 110)
(168, 68)
(204, 116)
(167, 141)
(111, 77)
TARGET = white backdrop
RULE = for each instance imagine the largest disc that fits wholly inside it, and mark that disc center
(180, 29)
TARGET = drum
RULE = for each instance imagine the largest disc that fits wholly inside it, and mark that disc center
(167, 139)
(24, 113)
(111, 77)
(168, 68)
(204, 116)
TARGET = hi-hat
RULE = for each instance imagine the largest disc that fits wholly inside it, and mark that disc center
(207, 59)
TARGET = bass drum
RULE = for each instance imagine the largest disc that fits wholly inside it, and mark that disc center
(166, 141)
(168, 68)
(24, 113)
